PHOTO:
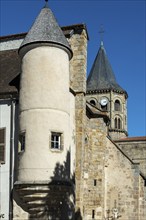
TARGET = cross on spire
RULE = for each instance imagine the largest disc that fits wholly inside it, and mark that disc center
(101, 32)
(46, 5)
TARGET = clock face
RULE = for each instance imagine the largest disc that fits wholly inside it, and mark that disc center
(103, 101)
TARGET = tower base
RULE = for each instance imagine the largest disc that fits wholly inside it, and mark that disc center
(41, 200)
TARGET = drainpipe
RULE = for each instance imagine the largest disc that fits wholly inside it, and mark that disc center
(11, 159)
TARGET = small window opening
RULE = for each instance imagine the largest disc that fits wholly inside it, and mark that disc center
(95, 182)
(21, 142)
(93, 214)
(117, 105)
(93, 102)
(116, 126)
(56, 140)
(119, 123)
(2, 145)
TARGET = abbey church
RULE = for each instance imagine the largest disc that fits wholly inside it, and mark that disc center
(65, 153)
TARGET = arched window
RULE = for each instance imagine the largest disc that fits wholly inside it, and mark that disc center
(118, 123)
(116, 126)
(117, 105)
(92, 102)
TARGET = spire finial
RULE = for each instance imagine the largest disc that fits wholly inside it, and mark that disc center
(46, 5)
(101, 32)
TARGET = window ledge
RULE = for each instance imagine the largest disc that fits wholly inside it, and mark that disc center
(56, 150)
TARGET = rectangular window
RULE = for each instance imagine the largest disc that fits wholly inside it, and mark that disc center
(21, 142)
(56, 140)
(2, 144)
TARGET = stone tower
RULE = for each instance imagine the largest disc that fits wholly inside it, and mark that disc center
(105, 93)
(45, 169)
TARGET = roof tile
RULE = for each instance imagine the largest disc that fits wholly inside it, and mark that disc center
(46, 29)
(9, 69)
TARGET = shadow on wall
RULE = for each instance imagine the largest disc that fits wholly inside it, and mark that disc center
(59, 201)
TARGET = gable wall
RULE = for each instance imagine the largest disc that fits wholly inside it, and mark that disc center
(118, 181)
(123, 184)
(136, 151)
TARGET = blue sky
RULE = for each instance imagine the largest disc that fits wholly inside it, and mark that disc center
(124, 40)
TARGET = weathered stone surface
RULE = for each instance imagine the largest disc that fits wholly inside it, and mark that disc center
(136, 151)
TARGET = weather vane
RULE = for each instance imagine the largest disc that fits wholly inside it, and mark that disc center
(101, 32)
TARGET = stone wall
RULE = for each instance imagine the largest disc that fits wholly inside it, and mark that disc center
(111, 183)
(124, 185)
(78, 63)
(93, 172)
(135, 150)
(78, 66)
(142, 199)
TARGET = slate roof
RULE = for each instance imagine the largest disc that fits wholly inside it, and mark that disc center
(10, 63)
(9, 69)
(46, 29)
(101, 76)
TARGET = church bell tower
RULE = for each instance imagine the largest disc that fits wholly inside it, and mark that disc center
(106, 94)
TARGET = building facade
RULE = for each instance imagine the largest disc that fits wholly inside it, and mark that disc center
(65, 150)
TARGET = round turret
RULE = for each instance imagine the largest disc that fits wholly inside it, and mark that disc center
(45, 117)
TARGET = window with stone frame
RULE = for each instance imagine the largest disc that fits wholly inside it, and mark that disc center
(21, 146)
(118, 123)
(93, 102)
(57, 140)
(117, 105)
(2, 144)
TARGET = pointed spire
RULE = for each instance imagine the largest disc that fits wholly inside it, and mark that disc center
(101, 76)
(45, 30)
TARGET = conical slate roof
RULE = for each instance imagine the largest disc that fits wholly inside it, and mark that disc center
(101, 76)
(46, 30)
